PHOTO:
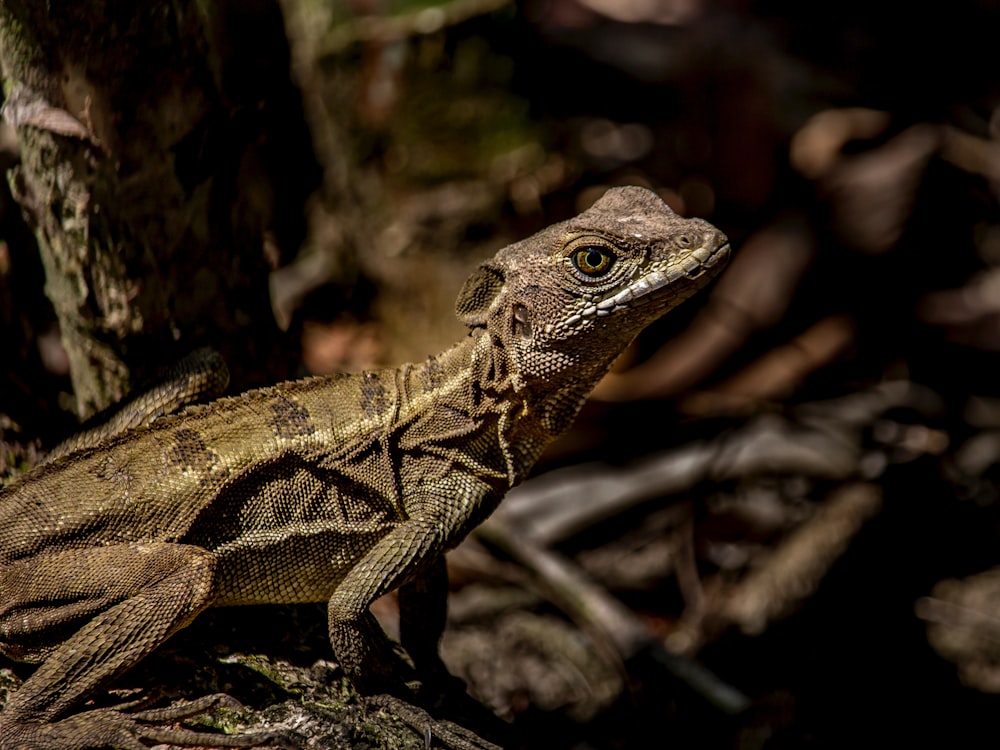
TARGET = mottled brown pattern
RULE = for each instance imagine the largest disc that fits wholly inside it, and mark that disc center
(290, 419)
(190, 453)
(433, 374)
(374, 397)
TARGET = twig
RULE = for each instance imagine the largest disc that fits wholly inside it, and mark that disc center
(373, 28)
(793, 571)
(594, 609)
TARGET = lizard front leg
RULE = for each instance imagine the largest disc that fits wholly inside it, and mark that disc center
(365, 653)
(124, 601)
(408, 557)
(423, 607)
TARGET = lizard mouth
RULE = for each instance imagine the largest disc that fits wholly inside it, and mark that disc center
(682, 279)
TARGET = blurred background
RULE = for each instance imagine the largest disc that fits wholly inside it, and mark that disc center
(776, 523)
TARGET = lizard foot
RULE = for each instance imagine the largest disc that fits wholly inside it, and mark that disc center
(187, 709)
(120, 730)
(448, 733)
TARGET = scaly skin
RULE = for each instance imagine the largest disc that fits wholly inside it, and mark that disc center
(335, 489)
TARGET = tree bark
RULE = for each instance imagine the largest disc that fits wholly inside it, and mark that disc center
(144, 187)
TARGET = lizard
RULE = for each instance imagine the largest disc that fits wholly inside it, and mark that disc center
(334, 489)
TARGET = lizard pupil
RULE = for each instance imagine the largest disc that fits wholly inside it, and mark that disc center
(593, 261)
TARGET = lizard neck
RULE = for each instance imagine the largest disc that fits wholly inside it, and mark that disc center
(477, 377)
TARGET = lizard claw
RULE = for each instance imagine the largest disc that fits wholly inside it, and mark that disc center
(448, 733)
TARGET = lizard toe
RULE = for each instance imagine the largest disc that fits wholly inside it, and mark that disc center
(186, 709)
(447, 733)
(151, 721)
(188, 738)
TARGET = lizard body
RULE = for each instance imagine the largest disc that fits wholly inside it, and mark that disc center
(335, 489)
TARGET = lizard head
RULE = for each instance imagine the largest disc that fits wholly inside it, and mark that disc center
(564, 303)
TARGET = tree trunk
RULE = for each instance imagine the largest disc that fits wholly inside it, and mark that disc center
(141, 180)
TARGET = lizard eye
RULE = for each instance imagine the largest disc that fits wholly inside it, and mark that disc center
(593, 260)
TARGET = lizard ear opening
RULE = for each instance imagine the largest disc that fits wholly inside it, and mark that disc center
(478, 295)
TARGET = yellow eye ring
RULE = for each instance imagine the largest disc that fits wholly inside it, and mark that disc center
(592, 260)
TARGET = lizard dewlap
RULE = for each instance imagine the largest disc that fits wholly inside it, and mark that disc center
(335, 489)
